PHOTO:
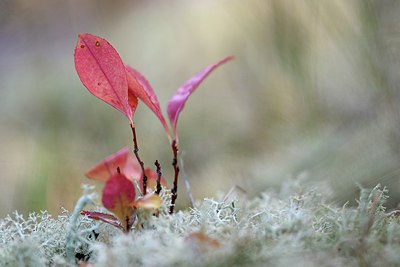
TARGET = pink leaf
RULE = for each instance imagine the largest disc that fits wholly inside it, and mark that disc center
(107, 218)
(102, 71)
(141, 88)
(133, 102)
(132, 169)
(118, 196)
(103, 170)
(177, 102)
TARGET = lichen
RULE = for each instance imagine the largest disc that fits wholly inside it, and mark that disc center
(297, 227)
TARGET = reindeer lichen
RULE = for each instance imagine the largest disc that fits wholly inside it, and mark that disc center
(300, 228)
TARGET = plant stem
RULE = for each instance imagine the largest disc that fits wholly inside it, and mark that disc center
(158, 166)
(174, 190)
(136, 152)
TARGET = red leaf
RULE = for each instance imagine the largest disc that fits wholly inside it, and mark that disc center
(102, 71)
(118, 195)
(177, 102)
(152, 177)
(132, 101)
(103, 170)
(132, 169)
(123, 159)
(107, 218)
(141, 88)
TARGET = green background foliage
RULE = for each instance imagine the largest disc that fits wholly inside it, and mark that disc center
(313, 92)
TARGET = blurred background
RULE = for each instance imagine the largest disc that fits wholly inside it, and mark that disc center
(313, 95)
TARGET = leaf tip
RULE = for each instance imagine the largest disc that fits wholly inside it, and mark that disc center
(178, 101)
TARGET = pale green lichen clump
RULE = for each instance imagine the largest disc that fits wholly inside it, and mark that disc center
(299, 229)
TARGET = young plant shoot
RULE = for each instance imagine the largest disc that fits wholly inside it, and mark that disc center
(105, 75)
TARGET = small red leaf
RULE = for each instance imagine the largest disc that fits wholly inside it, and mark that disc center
(107, 218)
(177, 101)
(141, 88)
(123, 159)
(152, 177)
(118, 195)
(102, 71)
(132, 168)
(103, 170)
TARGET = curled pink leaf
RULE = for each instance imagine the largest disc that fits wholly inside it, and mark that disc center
(141, 88)
(107, 218)
(102, 71)
(177, 101)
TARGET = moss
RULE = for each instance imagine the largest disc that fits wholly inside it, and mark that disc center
(294, 227)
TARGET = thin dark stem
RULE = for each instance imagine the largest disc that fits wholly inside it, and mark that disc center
(174, 190)
(136, 152)
(128, 227)
(158, 166)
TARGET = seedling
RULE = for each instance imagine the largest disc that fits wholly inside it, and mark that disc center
(104, 74)
(120, 171)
